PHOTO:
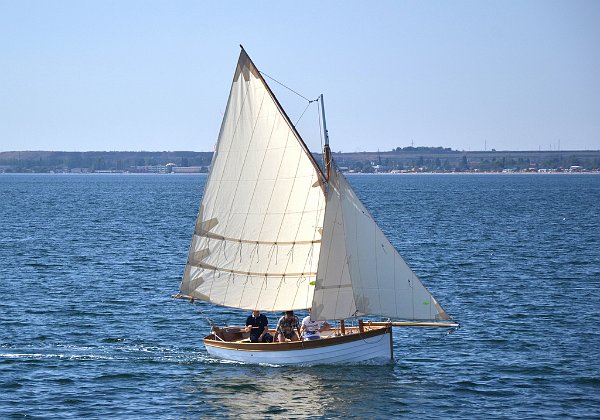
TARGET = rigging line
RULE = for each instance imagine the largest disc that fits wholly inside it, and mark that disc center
(301, 115)
(288, 88)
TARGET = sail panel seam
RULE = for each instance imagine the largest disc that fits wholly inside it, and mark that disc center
(252, 273)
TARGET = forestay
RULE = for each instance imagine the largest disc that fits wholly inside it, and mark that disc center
(257, 237)
(360, 272)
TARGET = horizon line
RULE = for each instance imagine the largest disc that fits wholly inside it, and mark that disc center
(417, 149)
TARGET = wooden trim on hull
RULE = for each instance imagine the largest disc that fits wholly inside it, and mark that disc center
(351, 336)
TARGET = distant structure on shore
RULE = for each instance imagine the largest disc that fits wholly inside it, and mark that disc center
(443, 160)
(399, 160)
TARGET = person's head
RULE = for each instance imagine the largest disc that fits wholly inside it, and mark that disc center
(289, 314)
(255, 313)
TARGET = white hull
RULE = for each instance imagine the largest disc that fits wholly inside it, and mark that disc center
(356, 348)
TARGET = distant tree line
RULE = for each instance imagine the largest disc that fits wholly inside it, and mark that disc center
(97, 161)
(446, 160)
(417, 159)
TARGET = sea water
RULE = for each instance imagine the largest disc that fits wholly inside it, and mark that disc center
(88, 328)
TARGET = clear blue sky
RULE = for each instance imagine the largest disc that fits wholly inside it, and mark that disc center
(155, 75)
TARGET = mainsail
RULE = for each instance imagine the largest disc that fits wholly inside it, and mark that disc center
(360, 272)
(258, 233)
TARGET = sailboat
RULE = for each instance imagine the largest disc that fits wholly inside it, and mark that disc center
(275, 232)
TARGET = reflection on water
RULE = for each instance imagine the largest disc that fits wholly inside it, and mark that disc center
(256, 391)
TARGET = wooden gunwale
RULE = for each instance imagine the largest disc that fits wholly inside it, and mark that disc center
(298, 345)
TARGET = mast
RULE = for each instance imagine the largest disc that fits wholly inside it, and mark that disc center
(326, 150)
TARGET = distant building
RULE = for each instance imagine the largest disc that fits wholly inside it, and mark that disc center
(380, 168)
(149, 169)
(189, 169)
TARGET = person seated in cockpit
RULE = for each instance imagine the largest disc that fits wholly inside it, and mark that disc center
(257, 325)
(288, 328)
(311, 330)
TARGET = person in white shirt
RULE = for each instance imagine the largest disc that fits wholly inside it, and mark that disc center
(311, 330)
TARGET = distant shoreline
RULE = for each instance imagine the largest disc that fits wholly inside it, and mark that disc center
(345, 173)
(478, 173)
(400, 160)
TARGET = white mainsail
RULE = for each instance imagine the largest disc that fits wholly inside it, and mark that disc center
(360, 272)
(258, 233)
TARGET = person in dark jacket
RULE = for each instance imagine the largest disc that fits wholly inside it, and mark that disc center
(257, 325)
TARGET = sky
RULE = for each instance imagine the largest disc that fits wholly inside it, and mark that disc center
(154, 75)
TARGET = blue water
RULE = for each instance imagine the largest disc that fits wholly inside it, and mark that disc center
(87, 327)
